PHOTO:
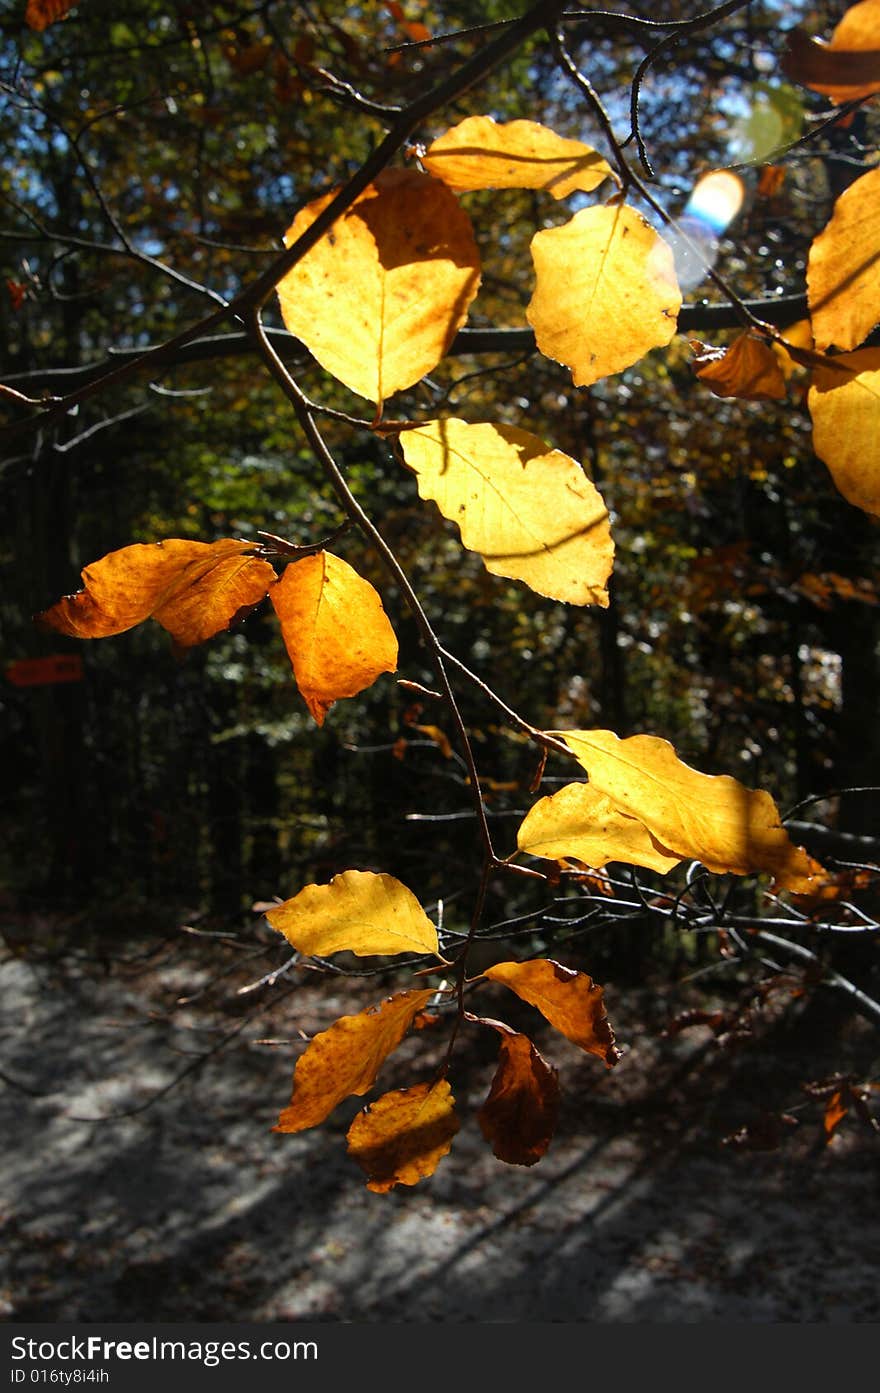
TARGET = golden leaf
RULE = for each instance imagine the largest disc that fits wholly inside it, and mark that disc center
(844, 403)
(569, 1000)
(404, 1135)
(379, 299)
(605, 292)
(346, 1059)
(843, 269)
(359, 912)
(747, 369)
(478, 153)
(846, 68)
(581, 823)
(713, 819)
(193, 589)
(335, 630)
(530, 511)
(519, 1116)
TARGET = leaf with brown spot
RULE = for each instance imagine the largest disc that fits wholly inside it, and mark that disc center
(844, 403)
(346, 1059)
(519, 1116)
(480, 153)
(569, 1000)
(843, 268)
(193, 589)
(357, 912)
(583, 824)
(846, 68)
(336, 632)
(747, 369)
(605, 294)
(404, 1135)
(380, 297)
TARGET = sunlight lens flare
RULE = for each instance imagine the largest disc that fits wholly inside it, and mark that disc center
(714, 203)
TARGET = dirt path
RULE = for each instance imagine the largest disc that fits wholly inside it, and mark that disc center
(193, 1209)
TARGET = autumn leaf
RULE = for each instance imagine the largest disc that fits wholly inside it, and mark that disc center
(519, 1116)
(359, 912)
(569, 1000)
(193, 589)
(581, 823)
(605, 293)
(346, 1059)
(39, 14)
(379, 299)
(844, 403)
(404, 1135)
(336, 633)
(843, 269)
(479, 153)
(835, 1111)
(848, 67)
(747, 369)
(713, 819)
(530, 511)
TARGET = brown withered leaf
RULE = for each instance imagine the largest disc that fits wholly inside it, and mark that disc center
(843, 268)
(193, 589)
(569, 1000)
(845, 69)
(404, 1135)
(39, 14)
(844, 403)
(480, 153)
(747, 369)
(346, 1059)
(358, 912)
(336, 632)
(519, 1116)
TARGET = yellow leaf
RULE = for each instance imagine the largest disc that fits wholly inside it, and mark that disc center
(480, 154)
(843, 269)
(358, 912)
(581, 823)
(569, 1000)
(530, 511)
(519, 1115)
(709, 818)
(336, 632)
(379, 299)
(846, 68)
(605, 292)
(346, 1059)
(797, 337)
(404, 1135)
(193, 589)
(844, 403)
(747, 369)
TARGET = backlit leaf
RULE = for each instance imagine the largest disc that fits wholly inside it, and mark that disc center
(530, 511)
(39, 14)
(605, 293)
(404, 1135)
(193, 589)
(581, 823)
(844, 403)
(569, 1000)
(379, 299)
(747, 369)
(337, 634)
(519, 1115)
(478, 153)
(846, 68)
(346, 1059)
(713, 819)
(843, 270)
(358, 911)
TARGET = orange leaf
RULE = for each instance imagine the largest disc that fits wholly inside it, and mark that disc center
(747, 369)
(846, 68)
(835, 1111)
(480, 154)
(335, 630)
(193, 589)
(519, 1115)
(381, 296)
(346, 1059)
(404, 1135)
(41, 13)
(844, 403)
(569, 1000)
(358, 912)
(843, 269)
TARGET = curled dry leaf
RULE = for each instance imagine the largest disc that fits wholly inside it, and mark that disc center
(336, 633)
(569, 1000)
(605, 292)
(404, 1135)
(379, 299)
(843, 269)
(193, 589)
(346, 1059)
(582, 824)
(848, 67)
(519, 1116)
(359, 912)
(530, 511)
(748, 369)
(479, 153)
(844, 403)
(709, 818)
